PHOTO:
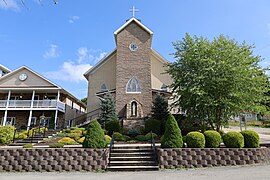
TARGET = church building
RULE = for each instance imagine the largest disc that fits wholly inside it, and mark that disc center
(134, 73)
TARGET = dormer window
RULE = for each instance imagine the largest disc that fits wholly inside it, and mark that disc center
(103, 88)
(133, 86)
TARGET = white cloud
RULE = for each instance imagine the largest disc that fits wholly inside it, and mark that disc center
(73, 19)
(69, 71)
(9, 4)
(52, 52)
(72, 71)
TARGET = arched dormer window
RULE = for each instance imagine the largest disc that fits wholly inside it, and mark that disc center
(133, 86)
(103, 88)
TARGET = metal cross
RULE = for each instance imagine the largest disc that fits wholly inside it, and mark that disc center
(133, 10)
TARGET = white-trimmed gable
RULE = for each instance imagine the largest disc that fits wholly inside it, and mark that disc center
(33, 80)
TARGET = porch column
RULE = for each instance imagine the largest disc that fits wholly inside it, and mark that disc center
(6, 111)
(56, 111)
(31, 110)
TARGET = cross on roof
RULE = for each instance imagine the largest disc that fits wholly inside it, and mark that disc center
(133, 10)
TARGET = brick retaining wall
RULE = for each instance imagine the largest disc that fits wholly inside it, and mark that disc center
(207, 157)
(49, 159)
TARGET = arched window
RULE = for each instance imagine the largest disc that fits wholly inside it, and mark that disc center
(133, 85)
(134, 109)
(103, 88)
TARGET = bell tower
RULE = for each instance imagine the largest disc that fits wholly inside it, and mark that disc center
(133, 72)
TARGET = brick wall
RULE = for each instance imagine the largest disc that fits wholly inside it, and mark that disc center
(196, 157)
(50, 159)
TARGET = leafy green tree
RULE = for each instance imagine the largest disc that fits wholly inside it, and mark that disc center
(172, 137)
(84, 100)
(107, 108)
(160, 111)
(214, 80)
(94, 137)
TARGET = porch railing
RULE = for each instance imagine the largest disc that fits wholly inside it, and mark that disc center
(36, 104)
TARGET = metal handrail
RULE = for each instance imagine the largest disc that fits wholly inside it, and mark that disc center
(34, 129)
(85, 117)
(111, 146)
(153, 146)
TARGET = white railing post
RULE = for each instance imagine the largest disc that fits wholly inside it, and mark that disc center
(56, 111)
(31, 111)
(6, 111)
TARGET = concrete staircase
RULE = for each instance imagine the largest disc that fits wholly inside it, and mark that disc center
(132, 157)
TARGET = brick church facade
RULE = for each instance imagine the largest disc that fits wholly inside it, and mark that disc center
(134, 73)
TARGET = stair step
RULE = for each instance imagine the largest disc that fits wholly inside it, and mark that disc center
(130, 150)
(135, 158)
(131, 154)
(132, 163)
(132, 168)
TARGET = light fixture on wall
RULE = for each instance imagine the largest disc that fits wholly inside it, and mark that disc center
(21, 96)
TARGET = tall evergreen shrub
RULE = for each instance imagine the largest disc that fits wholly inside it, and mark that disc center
(172, 137)
(160, 111)
(107, 108)
(94, 137)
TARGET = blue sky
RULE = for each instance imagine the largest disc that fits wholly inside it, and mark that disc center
(61, 41)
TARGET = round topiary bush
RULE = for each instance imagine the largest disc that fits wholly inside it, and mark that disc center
(172, 137)
(112, 126)
(251, 139)
(152, 125)
(212, 139)
(195, 140)
(233, 140)
(94, 137)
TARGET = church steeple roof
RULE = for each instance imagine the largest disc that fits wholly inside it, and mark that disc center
(130, 21)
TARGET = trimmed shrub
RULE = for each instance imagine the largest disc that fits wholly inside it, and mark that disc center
(251, 139)
(108, 139)
(67, 141)
(20, 136)
(172, 137)
(152, 125)
(212, 139)
(78, 131)
(141, 138)
(94, 137)
(148, 135)
(125, 138)
(133, 132)
(6, 134)
(112, 126)
(28, 146)
(117, 136)
(56, 145)
(233, 140)
(74, 136)
(195, 140)
(81, 140)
